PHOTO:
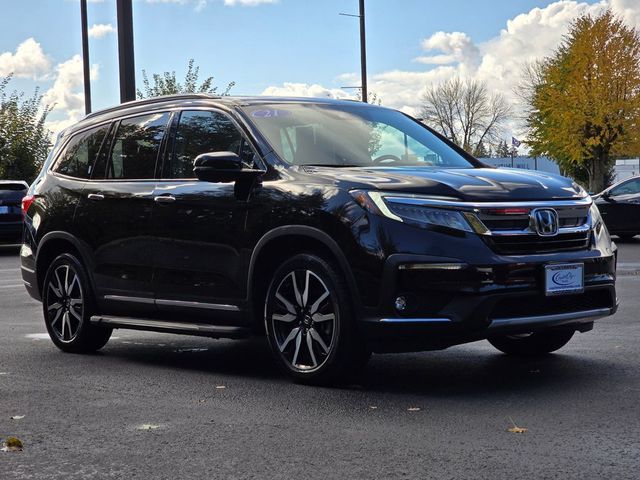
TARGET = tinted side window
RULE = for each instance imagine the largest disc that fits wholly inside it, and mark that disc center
(136, 146)
(203, 132)
(81, 152)
(627, 188)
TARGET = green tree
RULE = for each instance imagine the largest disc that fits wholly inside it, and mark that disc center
(24, 139)
(502, 150)
(584, 101)
(167, 84)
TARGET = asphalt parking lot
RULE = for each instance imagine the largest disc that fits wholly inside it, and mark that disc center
(165, 406)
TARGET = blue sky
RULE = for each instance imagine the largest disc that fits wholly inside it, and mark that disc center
(286, 46)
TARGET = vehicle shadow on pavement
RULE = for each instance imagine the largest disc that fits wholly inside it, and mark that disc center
(462, 373)
(451, 373)
(251, 358)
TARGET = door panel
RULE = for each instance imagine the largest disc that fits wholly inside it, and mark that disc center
(198, 239)
(200, 226)
(115, 214)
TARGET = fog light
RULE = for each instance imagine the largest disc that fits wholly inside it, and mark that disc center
(401, 304)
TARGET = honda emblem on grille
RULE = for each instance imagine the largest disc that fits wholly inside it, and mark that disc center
(545, 221)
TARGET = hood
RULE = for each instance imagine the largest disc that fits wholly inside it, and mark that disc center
(469, 184)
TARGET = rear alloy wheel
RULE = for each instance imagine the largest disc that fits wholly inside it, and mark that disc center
(309, 323)
(68, 305)
(532, 344)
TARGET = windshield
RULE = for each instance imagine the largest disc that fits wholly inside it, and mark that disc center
(350, 135)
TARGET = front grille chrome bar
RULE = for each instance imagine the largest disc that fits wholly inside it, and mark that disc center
(474, 206)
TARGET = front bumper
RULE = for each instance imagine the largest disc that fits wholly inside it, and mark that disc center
(449, 302)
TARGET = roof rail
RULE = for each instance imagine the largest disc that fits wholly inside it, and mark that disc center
(152, 100)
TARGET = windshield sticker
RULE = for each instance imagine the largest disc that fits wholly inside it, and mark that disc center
(269, 113)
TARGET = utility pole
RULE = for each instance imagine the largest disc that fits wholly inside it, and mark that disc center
(85, 57)
(363, 53)
(125, 51)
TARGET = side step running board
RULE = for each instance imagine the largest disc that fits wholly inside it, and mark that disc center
(199, 329)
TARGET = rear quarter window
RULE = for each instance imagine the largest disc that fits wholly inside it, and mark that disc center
(80, 153)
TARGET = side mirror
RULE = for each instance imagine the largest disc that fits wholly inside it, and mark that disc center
(217, 167)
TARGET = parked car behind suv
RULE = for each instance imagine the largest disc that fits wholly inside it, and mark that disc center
(11, 193)
(620, 208)
(337, 228)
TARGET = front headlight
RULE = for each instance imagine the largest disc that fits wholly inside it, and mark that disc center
(406, 212)
(596, 219)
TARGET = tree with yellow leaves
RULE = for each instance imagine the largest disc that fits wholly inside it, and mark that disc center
(584, 100)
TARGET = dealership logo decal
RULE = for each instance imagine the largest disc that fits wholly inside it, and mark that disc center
(545, 221)
(563, 278)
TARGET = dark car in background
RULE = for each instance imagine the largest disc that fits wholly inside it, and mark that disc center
(619, 206)
(11, 194)
(336, 228)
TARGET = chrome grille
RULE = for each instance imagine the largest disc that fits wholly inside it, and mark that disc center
(511, 232)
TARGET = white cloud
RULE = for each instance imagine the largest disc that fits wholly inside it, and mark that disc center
(455, 47)
(289, 89)
(528, 36)
(28, 61)
(66, 96)
(99, 30)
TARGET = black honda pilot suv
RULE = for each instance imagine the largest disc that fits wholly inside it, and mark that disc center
(336, 228)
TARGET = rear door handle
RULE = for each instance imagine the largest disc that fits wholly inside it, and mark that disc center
(95, 196)
(164, 199)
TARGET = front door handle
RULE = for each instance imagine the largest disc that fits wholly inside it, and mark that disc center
(164, 199)
(95, 196)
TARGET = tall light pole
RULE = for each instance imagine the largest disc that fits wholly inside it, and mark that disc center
(85, 57)
(363, 53)
(125, 51)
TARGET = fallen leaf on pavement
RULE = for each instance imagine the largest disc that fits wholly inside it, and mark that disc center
(147, 426)
(515, 428)
(12, 444)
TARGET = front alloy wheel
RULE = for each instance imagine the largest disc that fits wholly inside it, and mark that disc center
(309, 322)
(304, 320)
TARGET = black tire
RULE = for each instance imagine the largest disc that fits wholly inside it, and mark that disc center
(313, 335)
(68, 303)
(534, 344)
